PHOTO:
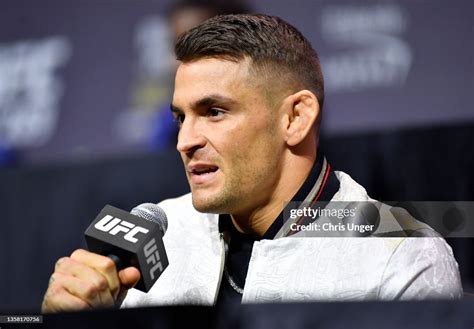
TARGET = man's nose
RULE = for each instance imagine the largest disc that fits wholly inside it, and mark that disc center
(190, 137)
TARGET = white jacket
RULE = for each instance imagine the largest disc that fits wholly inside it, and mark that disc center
(291, 269)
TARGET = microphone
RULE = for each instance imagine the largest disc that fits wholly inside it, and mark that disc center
(131, 239)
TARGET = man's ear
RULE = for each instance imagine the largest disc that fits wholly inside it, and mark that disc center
(302, 111)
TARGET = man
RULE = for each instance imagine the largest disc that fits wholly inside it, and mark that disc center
(248, 100)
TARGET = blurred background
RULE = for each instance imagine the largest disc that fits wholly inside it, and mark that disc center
(85, 88)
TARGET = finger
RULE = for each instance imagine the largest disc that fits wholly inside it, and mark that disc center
(85, 290)
(129, 277)
(97, 283)
(101, 264)
(59, 299)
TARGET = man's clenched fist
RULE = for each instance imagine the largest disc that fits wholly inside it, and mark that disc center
(86, 280)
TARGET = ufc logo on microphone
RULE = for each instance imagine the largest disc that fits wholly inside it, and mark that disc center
(153, 256)
(114, 225)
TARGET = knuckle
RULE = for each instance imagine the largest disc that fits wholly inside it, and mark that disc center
(53, 290)
(61, 261)
(101, 284)
(53, 278)
(107, 264)
(89, 290)
(56, 276)
(77, 253)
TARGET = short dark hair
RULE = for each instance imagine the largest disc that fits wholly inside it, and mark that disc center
(272, 44)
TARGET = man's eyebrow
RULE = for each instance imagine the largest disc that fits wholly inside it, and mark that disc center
(210, 100)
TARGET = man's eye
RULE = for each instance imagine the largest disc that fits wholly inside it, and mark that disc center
(179, 118)
(215, 112)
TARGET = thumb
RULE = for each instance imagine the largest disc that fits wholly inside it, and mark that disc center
(129, 277)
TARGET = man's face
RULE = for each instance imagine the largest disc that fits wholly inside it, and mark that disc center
(230, 142)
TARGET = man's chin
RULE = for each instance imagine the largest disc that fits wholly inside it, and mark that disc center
(210, 205)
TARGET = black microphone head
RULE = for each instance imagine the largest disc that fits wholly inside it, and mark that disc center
(153, 213)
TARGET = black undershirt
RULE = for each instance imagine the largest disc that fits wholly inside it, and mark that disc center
(240, 246)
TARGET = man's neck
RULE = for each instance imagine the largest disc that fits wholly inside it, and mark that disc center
(260, 219)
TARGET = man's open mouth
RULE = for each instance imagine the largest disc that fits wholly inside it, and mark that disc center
(201, 173)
